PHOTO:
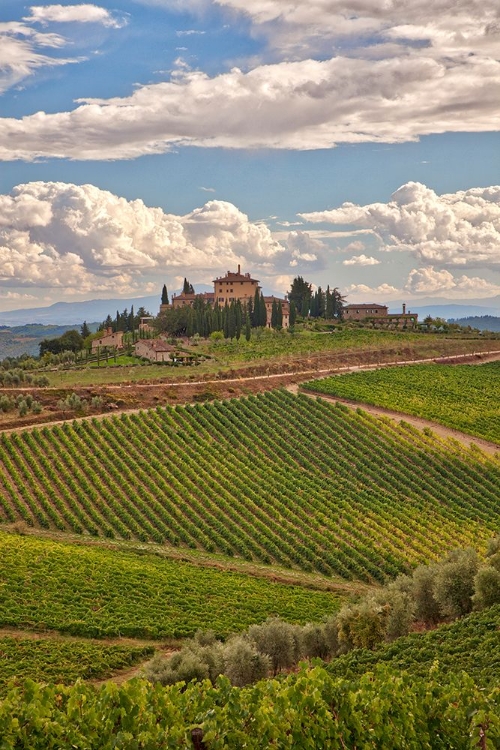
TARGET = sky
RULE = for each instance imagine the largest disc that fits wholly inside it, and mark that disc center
(355, 143)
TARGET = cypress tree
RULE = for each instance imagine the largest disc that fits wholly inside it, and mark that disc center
(256, 310)
(248, 329)
(274, 315)
(263, 311)
(231, 326)
(239, 318)
(85, 330)
(293, 314)
(279, 319)
(164, 295)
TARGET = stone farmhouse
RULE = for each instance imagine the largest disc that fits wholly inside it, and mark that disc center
(379, 316)
(156, 350)
(108, 340)
(230, 288)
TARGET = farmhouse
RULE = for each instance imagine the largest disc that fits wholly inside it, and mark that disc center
(108, 340)
(379, 316)
(156, 350)
(285, 308)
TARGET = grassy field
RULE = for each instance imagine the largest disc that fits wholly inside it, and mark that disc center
(464, 397)
(100, 593)
(277, 479)
(275, 350)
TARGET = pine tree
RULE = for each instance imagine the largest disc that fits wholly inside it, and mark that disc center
(300, 293)
(164, 295)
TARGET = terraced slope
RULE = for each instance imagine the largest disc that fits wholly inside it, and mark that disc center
(275, 478)
(464, 397)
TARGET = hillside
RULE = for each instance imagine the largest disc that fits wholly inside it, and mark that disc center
(471, 644)
(463, 397)
(25, 339)
(101, 593)
(274, 478)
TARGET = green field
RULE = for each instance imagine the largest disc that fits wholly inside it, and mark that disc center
(281, 350)
(471, 644)
(277, 478)
(97, 593)
(464, 397)
(50, 660)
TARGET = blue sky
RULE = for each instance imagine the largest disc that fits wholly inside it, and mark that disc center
(353, 142)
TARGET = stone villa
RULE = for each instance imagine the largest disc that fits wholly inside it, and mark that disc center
(232, 287)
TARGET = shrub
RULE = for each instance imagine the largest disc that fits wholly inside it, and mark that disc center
(243, 663)
(486, 587)
(277, 639)
(454, 582)
(426, 605)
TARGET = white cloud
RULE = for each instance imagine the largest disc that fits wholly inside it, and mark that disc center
(361, 260)
(82, 13)
(308, 104)
(432, 281)
(364, 292)
(354, 247)
(190, 32)
(21, 55)
(455, 229)
(305, 248)
(81, 240)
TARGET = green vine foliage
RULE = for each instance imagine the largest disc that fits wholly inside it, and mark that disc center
(308, 710)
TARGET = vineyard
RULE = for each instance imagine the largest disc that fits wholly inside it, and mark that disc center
(274, 478)
(463, 397)
(471, 644)
(97, 593)
(310, 709)
(49, 660)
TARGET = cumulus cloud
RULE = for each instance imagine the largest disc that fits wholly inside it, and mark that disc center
(361, 260)
(81, 239)
(386, 291)
(433, 281)
(305, 248)
(454, 229)
(82, 13)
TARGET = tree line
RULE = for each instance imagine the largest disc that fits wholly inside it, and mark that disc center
(442, 591)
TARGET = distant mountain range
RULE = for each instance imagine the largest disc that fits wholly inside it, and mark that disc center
(443, 308)
(74, 313)
(96, 310)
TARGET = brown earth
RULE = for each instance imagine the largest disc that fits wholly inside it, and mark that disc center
(228, 384)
